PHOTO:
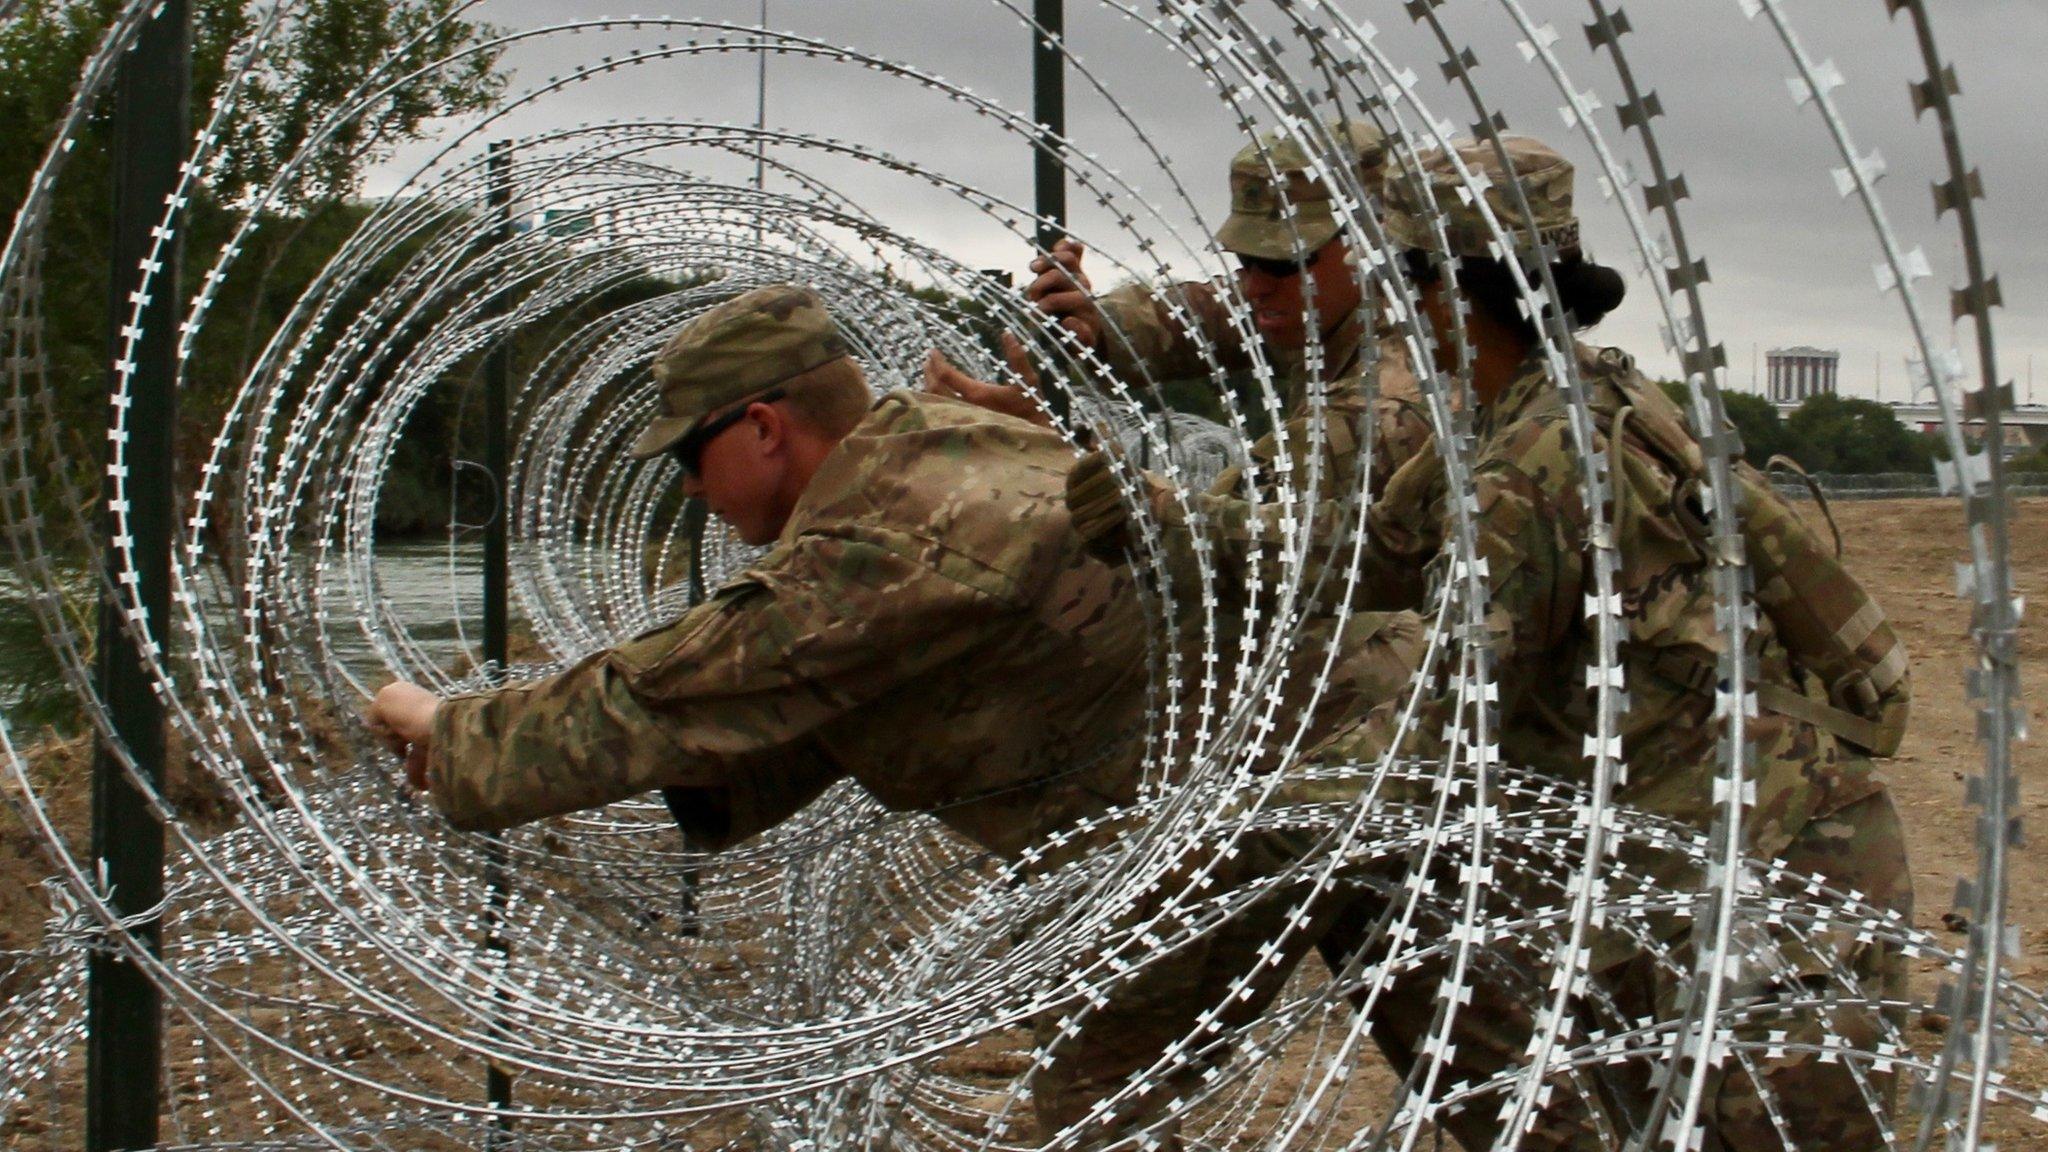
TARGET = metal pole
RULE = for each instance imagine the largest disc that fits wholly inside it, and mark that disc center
(497, 446)
(1049, 110)
(761, 103)
(497, 585)
(696, 523)
(761, 115)
(124, 1021)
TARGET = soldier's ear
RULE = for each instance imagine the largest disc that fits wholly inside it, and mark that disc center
(771, 425)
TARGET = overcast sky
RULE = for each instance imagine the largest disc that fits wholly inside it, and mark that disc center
(1791, 261)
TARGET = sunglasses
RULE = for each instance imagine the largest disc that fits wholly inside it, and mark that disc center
(1277, 269)
(689, 451)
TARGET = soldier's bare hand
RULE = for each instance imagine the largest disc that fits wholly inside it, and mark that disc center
(1018, 358)
(1061, 289)
(943, 378)
(402, 716)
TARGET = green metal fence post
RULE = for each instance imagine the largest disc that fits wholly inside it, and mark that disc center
(497, 584)
(124, 1017)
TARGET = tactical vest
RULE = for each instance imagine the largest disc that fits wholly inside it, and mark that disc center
(1830, 626)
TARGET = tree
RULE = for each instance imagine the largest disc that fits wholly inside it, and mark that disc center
(1763, 432)
(1848, 434)
(1755, 419)
(317, 54)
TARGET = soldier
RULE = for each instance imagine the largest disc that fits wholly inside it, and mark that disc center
(1818, 804)
(888, 604)
(925, 623)
(1829, 676)
(1295, 273)
(1295, 268)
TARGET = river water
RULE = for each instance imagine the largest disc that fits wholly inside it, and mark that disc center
(429, 609)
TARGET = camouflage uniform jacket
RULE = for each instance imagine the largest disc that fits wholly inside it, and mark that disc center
(1532, 531)
(1377, 650)
(1149, 333)
(927, 624)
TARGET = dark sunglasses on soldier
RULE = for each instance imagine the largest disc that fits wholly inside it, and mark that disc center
(1278, 269)
(689, 451)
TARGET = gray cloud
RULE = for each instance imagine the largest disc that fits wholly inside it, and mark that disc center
(1791, 261)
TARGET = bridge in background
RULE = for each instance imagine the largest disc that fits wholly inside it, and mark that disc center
(2028, 421)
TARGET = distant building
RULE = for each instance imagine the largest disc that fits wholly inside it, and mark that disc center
(1796, 373)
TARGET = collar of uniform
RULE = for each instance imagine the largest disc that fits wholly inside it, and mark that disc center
(1529, 392)
(834, 472)
(1340, 358)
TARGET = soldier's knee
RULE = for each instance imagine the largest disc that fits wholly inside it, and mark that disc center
(1806, 1087)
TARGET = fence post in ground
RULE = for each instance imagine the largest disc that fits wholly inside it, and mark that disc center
(124, 1015)
(497, 584)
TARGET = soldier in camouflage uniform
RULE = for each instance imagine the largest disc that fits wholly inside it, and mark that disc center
(1818, 804)
(926, 623)
(922, 580)
(1279, 211)
(1295, 269)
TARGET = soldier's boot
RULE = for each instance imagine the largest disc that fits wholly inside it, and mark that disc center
(1176, 1013)
(1489, 1036)
(1821, 1103)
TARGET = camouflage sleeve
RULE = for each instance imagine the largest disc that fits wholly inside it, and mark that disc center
(1245, 530)
(1529, 533)
(743, 681)
(1402, 432)
(1160, 333)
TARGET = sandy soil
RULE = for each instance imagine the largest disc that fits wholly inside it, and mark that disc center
(1906, 551)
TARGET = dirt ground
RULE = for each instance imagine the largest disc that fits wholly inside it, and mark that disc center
(1905, 551)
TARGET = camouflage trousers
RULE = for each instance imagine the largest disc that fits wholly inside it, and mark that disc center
(1819, 1103)
(1166, 1027)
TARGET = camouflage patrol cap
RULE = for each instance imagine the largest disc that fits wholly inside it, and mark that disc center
(1545, 176)
(739, 349)
(1287, 219)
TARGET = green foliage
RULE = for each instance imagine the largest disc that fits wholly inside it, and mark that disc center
(1763, 431)
(1848, 434)
(1196, 396)
(1844, 435)
(2031, 464)
(1756, 420)
(317, 53)
(33, 693)
(422, 486)
(330, 51)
